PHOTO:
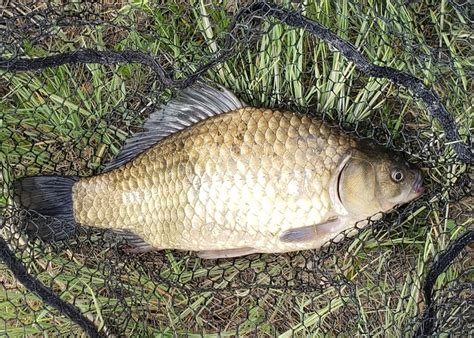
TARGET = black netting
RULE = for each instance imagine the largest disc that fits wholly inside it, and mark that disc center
(77, 78)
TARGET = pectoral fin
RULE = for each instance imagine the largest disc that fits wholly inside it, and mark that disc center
(227, 253)
(311, 232)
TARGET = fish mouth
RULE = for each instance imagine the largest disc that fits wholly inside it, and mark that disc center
(418, 188)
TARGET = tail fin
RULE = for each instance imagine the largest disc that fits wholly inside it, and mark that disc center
(49, 196)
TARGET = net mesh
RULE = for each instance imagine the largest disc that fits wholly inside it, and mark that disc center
(77, 79)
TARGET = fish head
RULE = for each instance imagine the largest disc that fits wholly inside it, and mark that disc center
(374, 180)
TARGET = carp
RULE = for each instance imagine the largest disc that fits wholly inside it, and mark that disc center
(213, 175)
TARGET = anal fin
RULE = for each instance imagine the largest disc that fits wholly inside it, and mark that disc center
(226, 253)
(135, 242)
(311, 232)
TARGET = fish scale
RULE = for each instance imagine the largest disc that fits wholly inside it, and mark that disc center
(236, 179)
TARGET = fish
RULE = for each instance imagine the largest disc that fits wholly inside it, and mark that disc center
(211, 174)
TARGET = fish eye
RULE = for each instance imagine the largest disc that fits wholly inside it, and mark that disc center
(397, 175)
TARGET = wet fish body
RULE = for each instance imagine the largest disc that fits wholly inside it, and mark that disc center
(212, 175)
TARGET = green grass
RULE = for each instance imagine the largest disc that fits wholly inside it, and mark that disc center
(73, 119)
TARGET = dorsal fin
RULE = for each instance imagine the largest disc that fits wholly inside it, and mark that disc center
(193, 104)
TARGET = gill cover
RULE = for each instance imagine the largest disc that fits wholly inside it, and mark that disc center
(357, 186)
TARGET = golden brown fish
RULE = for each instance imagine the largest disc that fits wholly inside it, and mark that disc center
(211, 175)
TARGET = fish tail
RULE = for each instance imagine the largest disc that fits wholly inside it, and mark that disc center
(50, 197)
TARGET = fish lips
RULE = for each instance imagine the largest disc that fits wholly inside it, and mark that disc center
(418, 189)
